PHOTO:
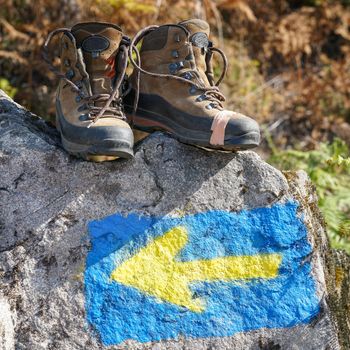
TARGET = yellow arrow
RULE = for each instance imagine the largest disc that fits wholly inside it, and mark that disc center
(154, 270)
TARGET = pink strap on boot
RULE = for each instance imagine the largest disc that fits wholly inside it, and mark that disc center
(218, 128)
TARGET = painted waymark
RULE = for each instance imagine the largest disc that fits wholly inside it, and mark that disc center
(154, 270)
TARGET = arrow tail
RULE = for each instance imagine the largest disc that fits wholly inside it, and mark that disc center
(233, 268)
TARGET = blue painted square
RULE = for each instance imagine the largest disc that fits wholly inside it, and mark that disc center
(118, 312)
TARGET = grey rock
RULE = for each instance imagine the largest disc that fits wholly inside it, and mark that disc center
(7, 334)
(48, 198)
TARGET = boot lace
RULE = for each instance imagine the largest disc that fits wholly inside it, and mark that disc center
(113, 101)
(210, 93)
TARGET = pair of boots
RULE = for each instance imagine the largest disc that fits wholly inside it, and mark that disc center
(172, 88)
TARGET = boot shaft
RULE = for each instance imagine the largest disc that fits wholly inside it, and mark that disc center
(92, 50)
(177, 49)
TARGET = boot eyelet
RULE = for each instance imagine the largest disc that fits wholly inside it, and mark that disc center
(187, 76)
(84, 117)
(82, 108)
(175, 54)
(193, 90)
(70, 74)
(173, 68)
(200, 98)
(66, 62)
(209, 106)
(78, 98)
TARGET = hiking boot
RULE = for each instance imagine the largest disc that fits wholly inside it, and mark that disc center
(89, 111)
(173, 89)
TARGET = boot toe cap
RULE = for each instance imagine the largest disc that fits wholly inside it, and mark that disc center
(242, 130)
(241, 125)
(95, 134)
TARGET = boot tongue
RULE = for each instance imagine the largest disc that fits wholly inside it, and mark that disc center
(99, 43)
(199, 37)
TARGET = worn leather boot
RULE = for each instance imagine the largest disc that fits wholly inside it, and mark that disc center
(89, 106)
(172, 89)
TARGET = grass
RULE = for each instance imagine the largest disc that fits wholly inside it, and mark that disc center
(328, 167)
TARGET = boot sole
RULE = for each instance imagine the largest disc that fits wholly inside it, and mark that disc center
(241, 142)
(96, 153)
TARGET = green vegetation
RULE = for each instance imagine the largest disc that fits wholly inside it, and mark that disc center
(329, 169)
(132, 6)
(7, 87)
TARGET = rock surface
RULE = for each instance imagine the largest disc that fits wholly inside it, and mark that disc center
(48, 200)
